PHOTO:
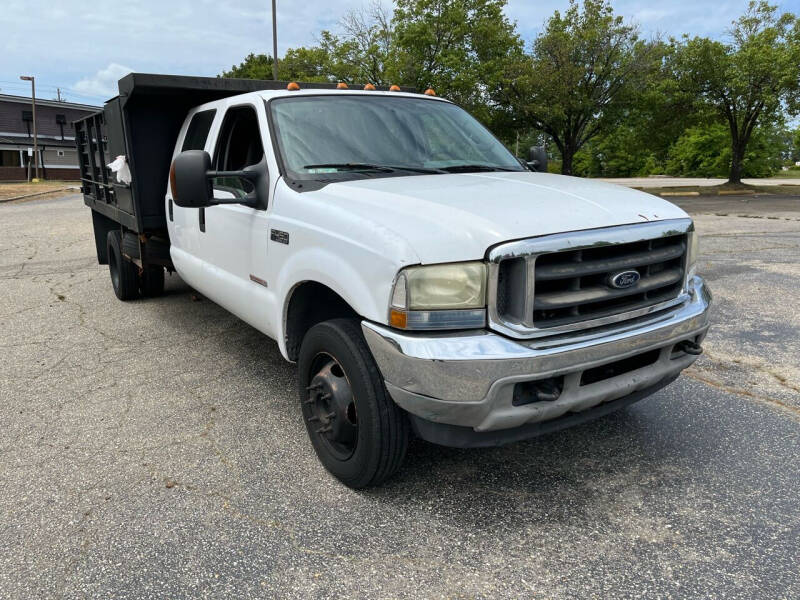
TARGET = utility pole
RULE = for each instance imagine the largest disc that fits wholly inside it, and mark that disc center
(32, 79)
(274, 43)
(58, 91)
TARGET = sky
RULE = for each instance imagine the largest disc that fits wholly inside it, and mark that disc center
(84, 47)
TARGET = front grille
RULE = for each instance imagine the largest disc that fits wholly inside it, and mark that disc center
(564, 282)
(574, 286)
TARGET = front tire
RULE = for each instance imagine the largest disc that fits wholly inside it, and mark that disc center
(359, 434)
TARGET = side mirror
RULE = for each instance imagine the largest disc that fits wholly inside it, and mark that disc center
(195, 185)
(537, 159)
(188, 178)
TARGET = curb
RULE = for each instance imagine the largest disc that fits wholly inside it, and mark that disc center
(37, 194)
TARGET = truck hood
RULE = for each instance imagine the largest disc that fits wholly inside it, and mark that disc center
(457, 217)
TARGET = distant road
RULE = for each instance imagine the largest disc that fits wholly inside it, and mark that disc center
(653, 182)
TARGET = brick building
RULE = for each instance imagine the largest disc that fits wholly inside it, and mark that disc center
(58, 158)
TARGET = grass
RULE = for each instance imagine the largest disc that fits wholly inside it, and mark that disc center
(793, 173)
(725, 189)
(12, 190)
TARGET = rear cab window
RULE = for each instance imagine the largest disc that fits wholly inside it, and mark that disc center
(197, 133)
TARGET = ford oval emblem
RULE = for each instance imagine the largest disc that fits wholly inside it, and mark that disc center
(624, 280)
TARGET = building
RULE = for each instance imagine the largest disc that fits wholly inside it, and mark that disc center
(58, 158)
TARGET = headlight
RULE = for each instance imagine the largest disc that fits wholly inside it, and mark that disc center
(449, 296)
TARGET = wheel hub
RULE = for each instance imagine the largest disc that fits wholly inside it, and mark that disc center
(331, 411)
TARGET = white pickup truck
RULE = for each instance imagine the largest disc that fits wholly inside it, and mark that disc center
(424, 280)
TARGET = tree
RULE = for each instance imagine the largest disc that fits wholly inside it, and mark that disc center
(254, 66)
(705, 151)
(367, 44)
(580, 76)
(749, 80)
(457, 47)
(795, 145)
(360, 54)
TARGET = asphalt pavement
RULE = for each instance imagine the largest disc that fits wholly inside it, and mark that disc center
(155, 449)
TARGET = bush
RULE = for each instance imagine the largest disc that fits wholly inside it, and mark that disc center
(705, 151)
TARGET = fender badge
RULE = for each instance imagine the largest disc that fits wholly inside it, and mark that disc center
(276, 235)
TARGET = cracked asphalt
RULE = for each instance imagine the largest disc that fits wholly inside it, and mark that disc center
(155, 449)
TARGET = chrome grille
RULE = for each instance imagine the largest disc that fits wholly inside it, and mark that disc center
(573, 286)
(559, 283)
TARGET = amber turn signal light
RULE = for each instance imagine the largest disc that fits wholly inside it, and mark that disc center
(398, 319)
(294, 86)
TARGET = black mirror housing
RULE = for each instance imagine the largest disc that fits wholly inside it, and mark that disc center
(188, 178)
(191, 181)
(537, 159)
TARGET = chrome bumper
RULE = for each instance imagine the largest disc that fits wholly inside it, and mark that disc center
(468, 379)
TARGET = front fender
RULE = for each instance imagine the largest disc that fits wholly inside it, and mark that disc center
(366, 292)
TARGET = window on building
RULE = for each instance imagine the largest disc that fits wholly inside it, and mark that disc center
(9, 158)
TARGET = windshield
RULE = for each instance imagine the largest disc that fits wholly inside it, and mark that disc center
(330, 138)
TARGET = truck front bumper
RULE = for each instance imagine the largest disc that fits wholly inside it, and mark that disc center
(469, 382)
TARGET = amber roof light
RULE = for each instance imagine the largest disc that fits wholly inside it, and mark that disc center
(341, 86)
(370, 87)
(430, 92)
(394, 88)
(293, 86)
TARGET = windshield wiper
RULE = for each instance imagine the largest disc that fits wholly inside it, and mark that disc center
(372, 167)
(473, 168)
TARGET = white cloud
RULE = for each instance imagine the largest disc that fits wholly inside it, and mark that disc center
(104, 82)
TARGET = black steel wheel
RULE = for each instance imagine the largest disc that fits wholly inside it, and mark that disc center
(331, 408)
(124, 274)
(359, 434)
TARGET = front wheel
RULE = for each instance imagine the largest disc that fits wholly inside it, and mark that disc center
(359, 434)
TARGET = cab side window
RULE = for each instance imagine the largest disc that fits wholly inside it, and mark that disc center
(238, 146)
(197, 133)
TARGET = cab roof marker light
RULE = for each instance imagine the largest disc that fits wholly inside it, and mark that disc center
(394, 88)
(293, 86)
(430, 92)
(369, 87)
(341, 86)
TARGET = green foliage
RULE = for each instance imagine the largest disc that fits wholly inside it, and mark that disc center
(623, 152)
(604, 101)
(306, 64)
(580, 76)
(457, 47)
(749, 79)
(705, 151)
(795, 146)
